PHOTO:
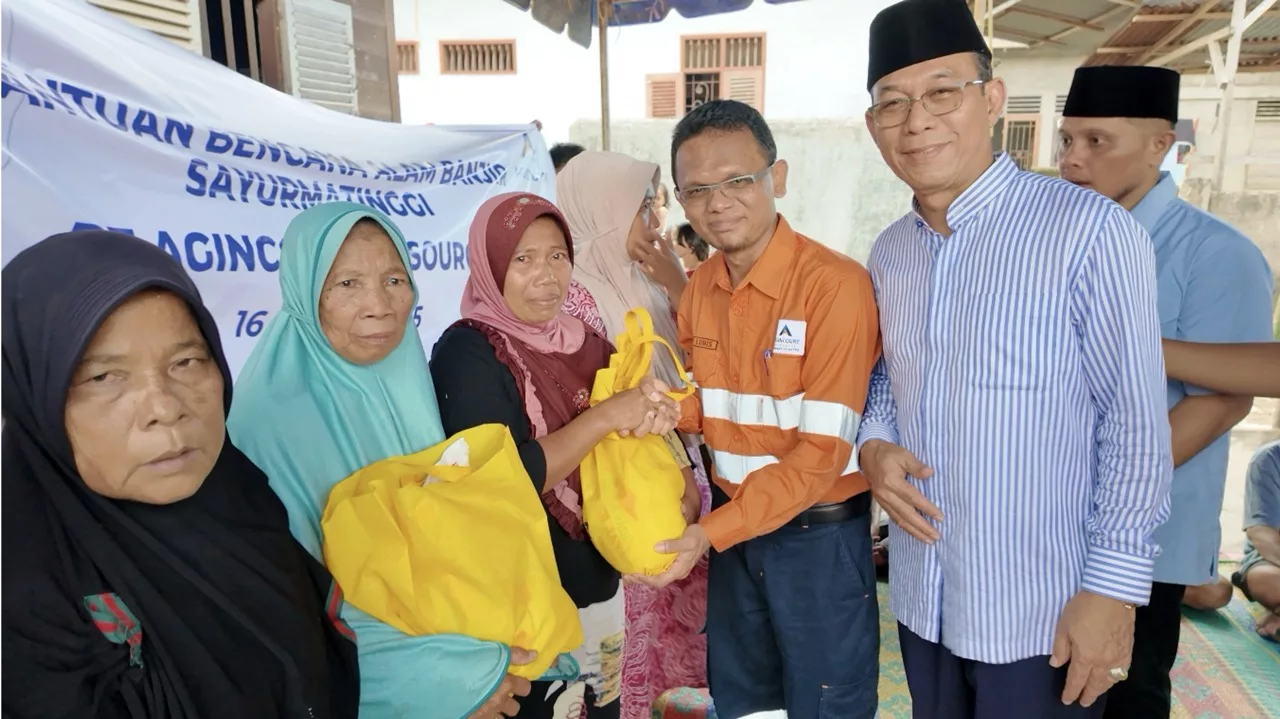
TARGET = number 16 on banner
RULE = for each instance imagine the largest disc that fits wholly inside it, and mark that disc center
(250, 323)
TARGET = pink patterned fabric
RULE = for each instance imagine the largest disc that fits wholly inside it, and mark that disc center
(665, 647)
(579, 303)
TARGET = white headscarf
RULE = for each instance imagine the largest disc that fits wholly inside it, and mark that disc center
(600, 194)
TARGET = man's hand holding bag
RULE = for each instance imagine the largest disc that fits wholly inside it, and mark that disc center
(632, 486)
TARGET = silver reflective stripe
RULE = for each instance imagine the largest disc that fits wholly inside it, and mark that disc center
(831, 419)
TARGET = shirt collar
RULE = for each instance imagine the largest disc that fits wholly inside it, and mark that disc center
(769, 271)
(989, 185)
(1149, 209)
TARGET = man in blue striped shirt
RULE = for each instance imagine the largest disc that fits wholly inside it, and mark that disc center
(1214, 286)
(1016, 429)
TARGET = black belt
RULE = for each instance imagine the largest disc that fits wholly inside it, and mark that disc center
(852, 508)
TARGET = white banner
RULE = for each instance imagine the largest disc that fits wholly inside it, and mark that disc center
(107, 125)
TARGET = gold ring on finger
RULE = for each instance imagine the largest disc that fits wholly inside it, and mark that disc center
(1118, 674)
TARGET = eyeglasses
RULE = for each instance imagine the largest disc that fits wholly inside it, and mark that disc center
(734, 187)
(647, 211)
(937, 102)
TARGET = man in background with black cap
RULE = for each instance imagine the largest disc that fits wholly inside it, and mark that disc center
(1214, 286)
(1015, 431)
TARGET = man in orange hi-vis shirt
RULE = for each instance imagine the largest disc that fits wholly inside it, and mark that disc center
(781, 334)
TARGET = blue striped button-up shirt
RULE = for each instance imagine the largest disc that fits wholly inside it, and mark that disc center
(1022, 363)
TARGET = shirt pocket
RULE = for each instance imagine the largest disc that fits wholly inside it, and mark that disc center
(782, 375)
(1017, 341)
(704, 361)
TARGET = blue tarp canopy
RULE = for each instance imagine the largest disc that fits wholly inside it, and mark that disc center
(579, 16)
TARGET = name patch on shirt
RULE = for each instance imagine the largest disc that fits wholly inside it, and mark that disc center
(704, 343)
(789, 339)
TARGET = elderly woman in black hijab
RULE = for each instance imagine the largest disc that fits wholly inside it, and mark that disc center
(148, 569)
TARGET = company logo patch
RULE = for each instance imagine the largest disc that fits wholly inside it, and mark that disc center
(789, 338)
(704, 343)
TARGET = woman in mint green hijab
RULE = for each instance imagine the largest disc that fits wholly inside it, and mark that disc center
(338, 380)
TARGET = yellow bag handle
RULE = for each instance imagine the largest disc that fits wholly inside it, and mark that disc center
(635, 346)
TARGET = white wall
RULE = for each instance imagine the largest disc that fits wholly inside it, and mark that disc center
(1046, 78)
(839, 191)
(1050, 77)
(816, 63)
(1199, 101)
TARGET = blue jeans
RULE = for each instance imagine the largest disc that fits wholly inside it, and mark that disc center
(793, 623)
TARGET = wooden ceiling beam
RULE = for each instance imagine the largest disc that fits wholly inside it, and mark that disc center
(1098, 19)
(1033, 38)
(1132, 49)
(1171, 17)
(1182, 28)
(1219, 34)
(1058, 17)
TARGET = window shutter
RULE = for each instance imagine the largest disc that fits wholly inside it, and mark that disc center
(170, 19)
(407, 56)
(662, 95)
(1023, 105)
(319, 37)
(477, 57)
(744, 85)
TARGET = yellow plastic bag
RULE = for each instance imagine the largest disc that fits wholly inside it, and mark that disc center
(632, 487)
(453, 540)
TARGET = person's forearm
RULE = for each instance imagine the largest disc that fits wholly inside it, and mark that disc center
(1119, 332)
(1198, 421)
(1267, 541)
(690, 415)
(775, 494)
(880, 416)
(1251, 368)
(566, 447)
(675, 290)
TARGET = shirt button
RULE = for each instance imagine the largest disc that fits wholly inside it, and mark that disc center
(734, 378)
(739, 310)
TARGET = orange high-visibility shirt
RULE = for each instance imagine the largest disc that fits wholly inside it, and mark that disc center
(782, 363)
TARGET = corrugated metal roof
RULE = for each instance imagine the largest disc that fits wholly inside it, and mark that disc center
(1260, 49)
(1055, 25)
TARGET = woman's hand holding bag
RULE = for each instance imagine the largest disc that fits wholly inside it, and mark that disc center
(632, 486)
(642, 410)
(453, 540)
(502, 703)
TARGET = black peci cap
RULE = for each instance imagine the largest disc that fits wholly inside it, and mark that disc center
(1132, 91)
(916, 31)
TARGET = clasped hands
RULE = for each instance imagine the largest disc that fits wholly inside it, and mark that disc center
(643, 410)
